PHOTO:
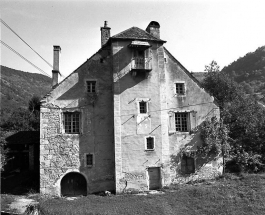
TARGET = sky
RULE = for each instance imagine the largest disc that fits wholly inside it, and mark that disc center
(196, 31)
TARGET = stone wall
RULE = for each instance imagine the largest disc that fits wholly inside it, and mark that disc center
(58, 153)
(61, 153)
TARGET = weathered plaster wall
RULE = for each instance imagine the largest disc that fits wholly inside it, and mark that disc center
(61, 153)
(201, 107)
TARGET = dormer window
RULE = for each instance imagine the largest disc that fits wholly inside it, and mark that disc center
(141, 59)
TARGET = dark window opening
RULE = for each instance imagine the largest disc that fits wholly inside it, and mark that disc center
(187, 165)
(143, 107)
(150, 143)
(89, 159)
(181, 120)
(91, 86)
(71, 122)
(180, 88)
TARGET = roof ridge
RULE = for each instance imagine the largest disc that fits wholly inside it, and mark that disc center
(136, 33)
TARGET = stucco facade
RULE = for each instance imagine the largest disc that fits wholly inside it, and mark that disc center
(132, 121)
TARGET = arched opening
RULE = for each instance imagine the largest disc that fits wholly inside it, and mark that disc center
(73, 184)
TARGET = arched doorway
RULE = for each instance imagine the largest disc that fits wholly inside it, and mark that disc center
(73, 184)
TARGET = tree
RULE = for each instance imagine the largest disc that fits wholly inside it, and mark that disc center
(3, 151)
(244, 117)
(34, 104)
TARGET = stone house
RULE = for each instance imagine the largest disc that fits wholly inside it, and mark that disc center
(120, 120)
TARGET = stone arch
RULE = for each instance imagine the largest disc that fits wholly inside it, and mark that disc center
(73, 184)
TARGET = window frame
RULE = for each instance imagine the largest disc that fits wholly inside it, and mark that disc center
(177, 94)
(71, 122)
(146, 148)
(93, 160)
(138, 101)
(91, 81)
(186, 171)
(182, 122)
(172, 121)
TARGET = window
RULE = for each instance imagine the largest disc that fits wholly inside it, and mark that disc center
(91, 86)
(71, 123)
(89, 160)
(143, 107)
(150, 143)
(180, 88)
(181, 122)
(187, 165)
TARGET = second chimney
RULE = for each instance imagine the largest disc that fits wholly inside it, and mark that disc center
(105, 33)
(55, 71)
(154, 29)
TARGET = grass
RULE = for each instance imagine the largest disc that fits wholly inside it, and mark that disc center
(228, 195)
(6, 200)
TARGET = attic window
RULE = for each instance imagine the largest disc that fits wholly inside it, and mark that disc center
(180, 88)
(91, 86)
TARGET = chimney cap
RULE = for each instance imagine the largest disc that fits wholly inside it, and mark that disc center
(154, 24)
(56, 48)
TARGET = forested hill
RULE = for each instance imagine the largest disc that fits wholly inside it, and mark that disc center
(17, 87)
(249, 71)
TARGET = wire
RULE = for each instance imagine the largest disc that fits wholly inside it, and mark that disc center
(24, 58)
(25, 42)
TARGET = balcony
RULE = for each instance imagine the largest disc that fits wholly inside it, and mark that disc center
(141, 64)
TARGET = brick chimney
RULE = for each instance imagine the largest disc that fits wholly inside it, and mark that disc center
(105, 33)
(154, 29)
(55, 71)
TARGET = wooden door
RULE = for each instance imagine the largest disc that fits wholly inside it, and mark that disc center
(73, 184)
(154, 178)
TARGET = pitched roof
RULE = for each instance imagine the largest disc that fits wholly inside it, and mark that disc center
(136, 33)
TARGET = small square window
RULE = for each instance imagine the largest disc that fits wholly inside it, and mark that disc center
(150, 143)
(143, 107)
(71, 123)
(91, 86)
(181, 122)
(187, 165)
(180, 88)
(89, 159)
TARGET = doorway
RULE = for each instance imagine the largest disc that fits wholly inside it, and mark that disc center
(73, 184)
(154, 178)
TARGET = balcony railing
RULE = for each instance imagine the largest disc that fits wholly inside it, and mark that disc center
(140, 63)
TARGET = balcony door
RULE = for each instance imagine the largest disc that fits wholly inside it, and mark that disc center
(139, 59)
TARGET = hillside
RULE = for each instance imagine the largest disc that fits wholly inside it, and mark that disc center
(249, 71)
(17, 87)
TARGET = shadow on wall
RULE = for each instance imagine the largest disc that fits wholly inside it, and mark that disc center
(122, 63)
(189, 165)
